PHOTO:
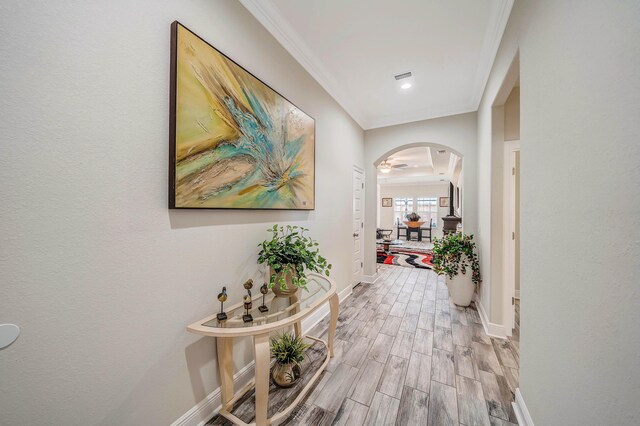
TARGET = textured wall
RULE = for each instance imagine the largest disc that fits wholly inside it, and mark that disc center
(579, 90)
(99, 274)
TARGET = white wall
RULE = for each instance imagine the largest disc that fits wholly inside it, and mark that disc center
(512, 116)
(580, 94)
(457, 132)
(412, 191)
(99, 274)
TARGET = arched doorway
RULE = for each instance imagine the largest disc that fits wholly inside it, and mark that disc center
(424, 177)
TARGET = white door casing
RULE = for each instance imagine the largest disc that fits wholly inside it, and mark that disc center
(357, 225)
(511, 233)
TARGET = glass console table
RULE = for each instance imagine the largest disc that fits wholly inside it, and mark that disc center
(282, 313)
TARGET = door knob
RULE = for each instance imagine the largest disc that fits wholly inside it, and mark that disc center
(355, 234)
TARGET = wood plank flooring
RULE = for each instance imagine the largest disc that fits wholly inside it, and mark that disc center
(404, 355)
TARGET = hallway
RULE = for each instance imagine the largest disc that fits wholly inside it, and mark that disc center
(405, 355)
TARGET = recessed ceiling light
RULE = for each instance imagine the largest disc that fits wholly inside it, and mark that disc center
(405, 86)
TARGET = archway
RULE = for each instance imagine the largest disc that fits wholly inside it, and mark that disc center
(429, 181)
(376, 217)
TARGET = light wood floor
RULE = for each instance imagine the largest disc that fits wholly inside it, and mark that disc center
(405, 355)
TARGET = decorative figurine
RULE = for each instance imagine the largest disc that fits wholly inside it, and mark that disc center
(247, 301)
(247, 305)
(248, 284)
(264, 290)
(222, 297)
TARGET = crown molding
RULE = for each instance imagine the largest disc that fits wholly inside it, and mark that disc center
(270, 17)
(490, 46)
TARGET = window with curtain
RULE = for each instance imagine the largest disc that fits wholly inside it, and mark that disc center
(401, 207)
(427, 208)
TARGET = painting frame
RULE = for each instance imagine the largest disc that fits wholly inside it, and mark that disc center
(173, 128)
(387, 202)
(444, 202)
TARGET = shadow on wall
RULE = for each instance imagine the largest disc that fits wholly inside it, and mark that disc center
(194, 218)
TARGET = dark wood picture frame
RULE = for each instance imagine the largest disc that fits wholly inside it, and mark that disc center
(172, 187)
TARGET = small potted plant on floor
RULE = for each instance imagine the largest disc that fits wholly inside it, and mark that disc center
(288, 352)
(455, 257)
(289, 253)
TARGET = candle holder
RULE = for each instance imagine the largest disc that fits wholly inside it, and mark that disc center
(222, 297)
(264, 290)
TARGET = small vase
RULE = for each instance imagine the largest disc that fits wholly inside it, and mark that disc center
(285, 375)
(289, 290)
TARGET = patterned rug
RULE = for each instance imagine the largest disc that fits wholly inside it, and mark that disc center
(413, 246)
(406, 258)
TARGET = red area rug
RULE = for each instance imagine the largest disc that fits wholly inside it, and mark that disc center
(406, 258)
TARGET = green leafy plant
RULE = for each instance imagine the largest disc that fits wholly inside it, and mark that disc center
(455, 253)
(413, 217)
(290, 251)
(288, 349)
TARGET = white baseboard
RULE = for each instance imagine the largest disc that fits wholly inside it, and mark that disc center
(370, 279)
(204, 410)
(521, 410)
(492, 329)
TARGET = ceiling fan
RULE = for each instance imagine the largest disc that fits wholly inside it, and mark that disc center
(385, 166)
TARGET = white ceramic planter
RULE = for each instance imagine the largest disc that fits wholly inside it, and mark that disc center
(461, 288)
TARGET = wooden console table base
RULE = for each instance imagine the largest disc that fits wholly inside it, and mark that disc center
(261, 352)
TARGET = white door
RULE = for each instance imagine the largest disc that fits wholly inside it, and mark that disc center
(357, 225)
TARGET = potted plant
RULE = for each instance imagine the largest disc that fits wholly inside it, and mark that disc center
(289, 253)
(413, 220)
(455, 256)
(288, 352)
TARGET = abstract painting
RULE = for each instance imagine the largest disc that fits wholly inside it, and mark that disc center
(235, 143)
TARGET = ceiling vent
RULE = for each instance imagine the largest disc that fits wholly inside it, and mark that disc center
(442, 151)
(403, 75)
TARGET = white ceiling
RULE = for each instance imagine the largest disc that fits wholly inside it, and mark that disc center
(424, 165)
(353, 48)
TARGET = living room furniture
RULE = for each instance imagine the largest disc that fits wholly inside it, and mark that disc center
(383, 233)
(387, 244)
(420, 232)
(282, 313)
(401, 228)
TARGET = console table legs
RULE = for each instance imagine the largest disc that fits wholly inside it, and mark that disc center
(225, 365)
(261, 351)
(333, 305)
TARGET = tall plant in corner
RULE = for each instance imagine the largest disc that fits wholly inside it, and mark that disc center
(290, 253)
(455, 256)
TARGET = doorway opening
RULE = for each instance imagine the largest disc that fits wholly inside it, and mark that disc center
(419, 188)
(357, 223)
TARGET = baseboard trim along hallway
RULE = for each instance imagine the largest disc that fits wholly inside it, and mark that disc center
(492, 329)
(370, 279)
(520, 408)
(204, 410)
